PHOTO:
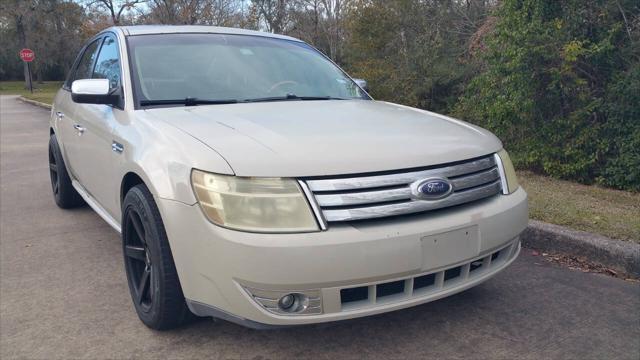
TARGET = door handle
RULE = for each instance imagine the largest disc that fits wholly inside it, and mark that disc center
(79, 128)
(60, 115)
(117, 147)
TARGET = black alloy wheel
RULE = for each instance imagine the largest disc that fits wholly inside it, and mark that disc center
(143, 273)
(64, 194)
(53, 170)
(151, 272)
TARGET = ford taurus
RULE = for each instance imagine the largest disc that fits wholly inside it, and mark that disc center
(253, 180)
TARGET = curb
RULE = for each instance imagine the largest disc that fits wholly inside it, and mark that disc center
(36, 103)
(619, 255)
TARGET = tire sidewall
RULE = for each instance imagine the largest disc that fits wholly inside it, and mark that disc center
(135, 200)
(67, 197)
(138, 199)
(55, 150)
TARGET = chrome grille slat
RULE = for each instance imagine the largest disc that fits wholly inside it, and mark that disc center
(377, 196)
(367, 197)
(411, 207)
(358, 183)
(475, 179)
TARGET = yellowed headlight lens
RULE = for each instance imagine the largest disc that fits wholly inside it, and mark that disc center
(253, 204)
(509, 171)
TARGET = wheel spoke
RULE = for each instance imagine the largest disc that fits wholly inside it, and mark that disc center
(151, 276)
(143, 285)
(137, 225)
(135, 252)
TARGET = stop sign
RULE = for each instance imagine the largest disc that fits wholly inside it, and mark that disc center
(27, 55)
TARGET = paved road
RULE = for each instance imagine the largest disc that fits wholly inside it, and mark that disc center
(63, 294)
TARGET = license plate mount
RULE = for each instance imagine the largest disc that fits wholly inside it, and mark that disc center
(450, 247)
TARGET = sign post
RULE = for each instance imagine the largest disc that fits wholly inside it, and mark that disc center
(27, 55)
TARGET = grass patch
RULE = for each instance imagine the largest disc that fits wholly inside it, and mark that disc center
(608, 212)
(43, 92)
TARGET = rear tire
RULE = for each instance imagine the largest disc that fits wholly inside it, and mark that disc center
(64, 194)
(151, 273)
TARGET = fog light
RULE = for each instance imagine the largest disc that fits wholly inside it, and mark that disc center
(293, 303)
(286, 302)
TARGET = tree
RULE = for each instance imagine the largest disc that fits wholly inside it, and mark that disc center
(192, 12)
(116, 8)
(56, 35)
(557, 85)
(306, 16)
(15, 13)
(333, 11)
(52, 28)
(274, 13)
(411, 51)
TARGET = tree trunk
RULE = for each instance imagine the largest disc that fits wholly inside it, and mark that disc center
(22, 39)
(36, 76)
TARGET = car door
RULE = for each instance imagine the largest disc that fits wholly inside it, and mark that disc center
(95, 149)
(69, 132)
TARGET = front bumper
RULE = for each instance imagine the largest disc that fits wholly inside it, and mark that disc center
(216, 265)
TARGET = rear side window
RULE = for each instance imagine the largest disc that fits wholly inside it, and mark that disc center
(85, 66)
(108, 63)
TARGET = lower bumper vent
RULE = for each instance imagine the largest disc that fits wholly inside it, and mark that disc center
(380, 293)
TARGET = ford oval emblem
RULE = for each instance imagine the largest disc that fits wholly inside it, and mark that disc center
(432, 189)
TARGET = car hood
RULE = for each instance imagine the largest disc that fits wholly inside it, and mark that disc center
(316, 138)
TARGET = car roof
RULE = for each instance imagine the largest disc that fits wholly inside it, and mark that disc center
(182, 29)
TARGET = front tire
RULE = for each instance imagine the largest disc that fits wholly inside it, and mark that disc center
(151, 273)
(64, 194)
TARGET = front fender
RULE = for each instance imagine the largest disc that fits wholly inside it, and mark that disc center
(163, 157)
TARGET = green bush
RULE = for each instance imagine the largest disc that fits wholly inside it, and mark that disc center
(560, 86)
(621, 168)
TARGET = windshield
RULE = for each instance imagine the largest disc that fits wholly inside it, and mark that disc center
(216, 68)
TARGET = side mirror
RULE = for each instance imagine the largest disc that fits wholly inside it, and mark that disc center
(94, 91)
(362, 83)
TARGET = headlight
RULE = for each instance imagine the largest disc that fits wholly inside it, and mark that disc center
(253, 204)
(509, 171)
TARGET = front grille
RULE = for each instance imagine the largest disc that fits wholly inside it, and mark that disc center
(352, 298)
(377, 196)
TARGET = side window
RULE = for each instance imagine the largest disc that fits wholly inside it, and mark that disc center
(108, 64)
(85, 66)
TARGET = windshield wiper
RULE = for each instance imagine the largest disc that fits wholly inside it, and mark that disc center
(187, 102)
(195, 101)
(292, 97)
